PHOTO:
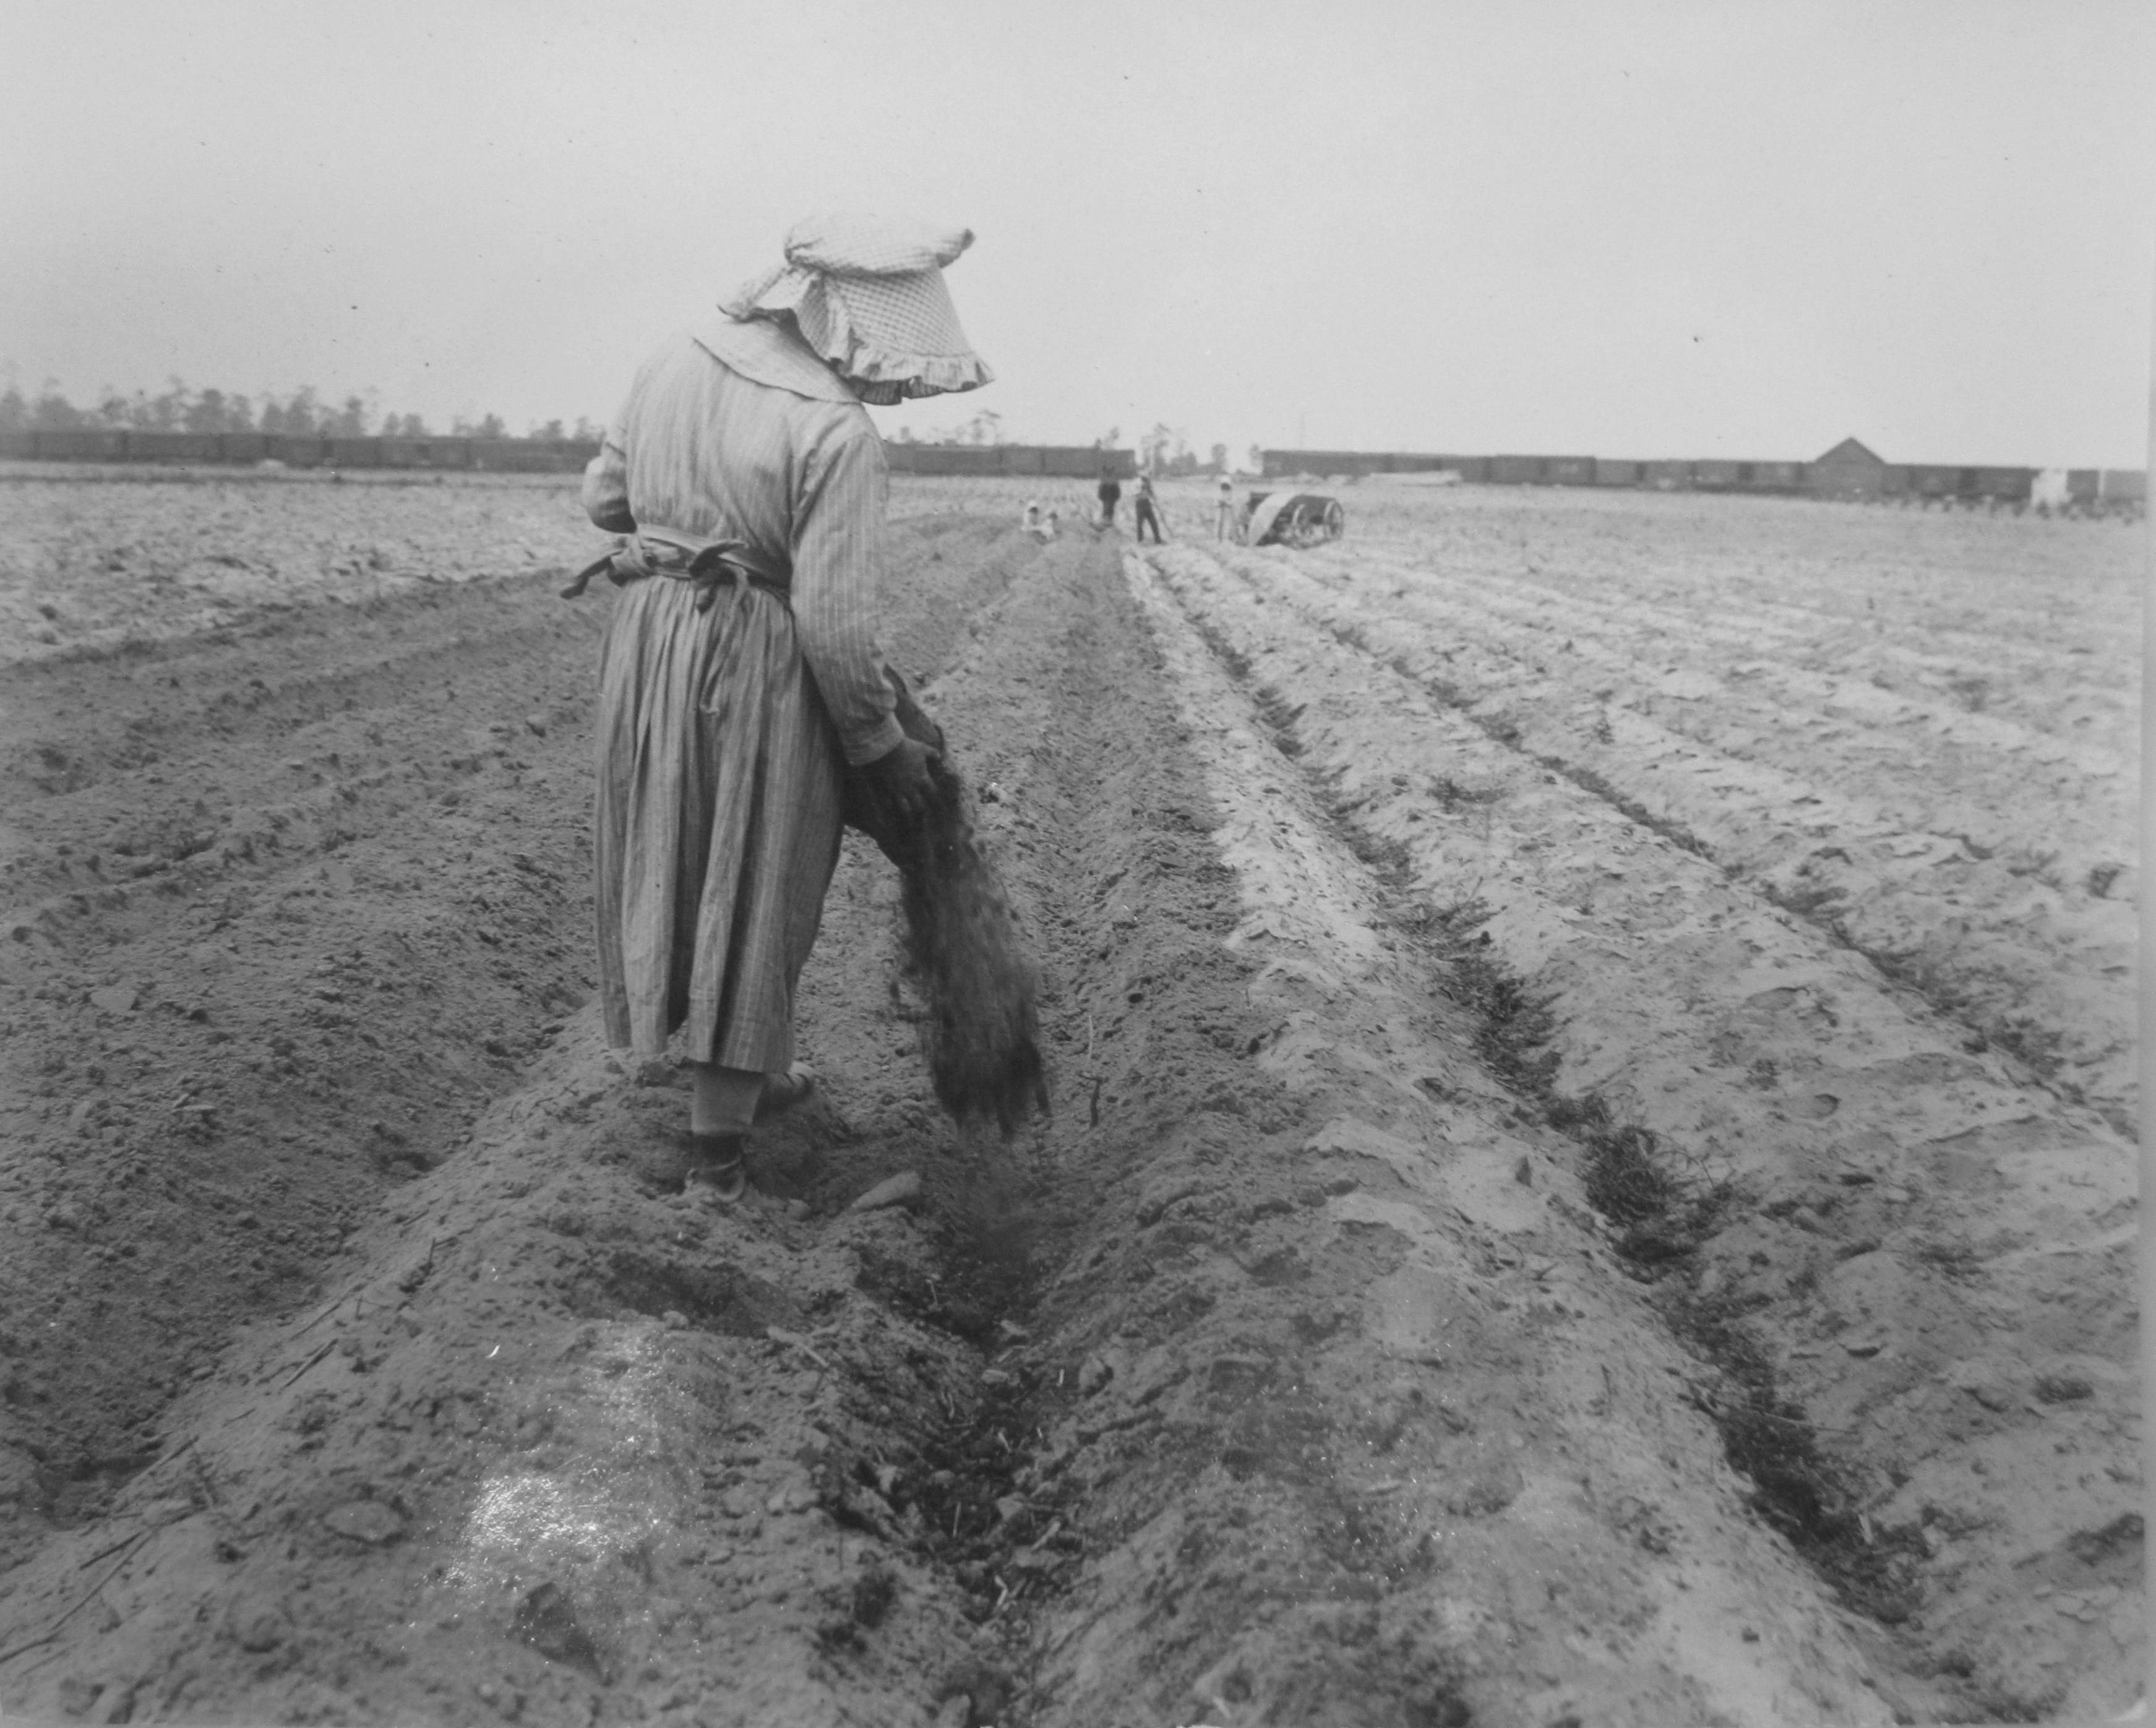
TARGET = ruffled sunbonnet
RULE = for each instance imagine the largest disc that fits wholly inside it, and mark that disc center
(868, 295)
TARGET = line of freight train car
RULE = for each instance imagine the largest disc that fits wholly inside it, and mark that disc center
(296, 450)
(1847, 472)
(499, 455)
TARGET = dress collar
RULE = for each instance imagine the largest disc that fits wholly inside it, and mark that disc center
(769, 352)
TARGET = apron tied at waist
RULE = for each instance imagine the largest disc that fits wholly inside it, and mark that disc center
(682, 557)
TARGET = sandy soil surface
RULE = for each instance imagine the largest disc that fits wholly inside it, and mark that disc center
(1504, 1252)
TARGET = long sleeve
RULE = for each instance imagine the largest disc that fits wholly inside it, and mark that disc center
(839, 541)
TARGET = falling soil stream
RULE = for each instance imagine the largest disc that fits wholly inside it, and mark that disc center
(1314, 1363)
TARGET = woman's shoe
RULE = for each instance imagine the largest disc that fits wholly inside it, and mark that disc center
(718, 1166)
(783, 1092)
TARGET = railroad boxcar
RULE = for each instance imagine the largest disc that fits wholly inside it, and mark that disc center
(1070, 461)
(531, 456)
(173, 446)
(299, 450)
(415, 452)
(1316, 461)
(81, 443)
(950, 458)
(1719, 474)
(1964, 484)
(2007, 484)
(1542, 470)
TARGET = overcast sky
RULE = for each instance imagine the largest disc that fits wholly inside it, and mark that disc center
(1622, 229)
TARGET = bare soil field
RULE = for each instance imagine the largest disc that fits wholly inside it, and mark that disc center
(1591, 1178)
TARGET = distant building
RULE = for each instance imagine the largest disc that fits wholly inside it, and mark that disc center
(1847, 470)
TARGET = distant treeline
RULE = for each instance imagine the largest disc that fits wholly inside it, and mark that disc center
(535, 455)
(303, 413)
(186, 425)
(310, 450)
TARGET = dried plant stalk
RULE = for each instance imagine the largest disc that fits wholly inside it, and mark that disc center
(981, 1037)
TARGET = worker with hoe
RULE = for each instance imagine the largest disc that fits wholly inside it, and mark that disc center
(1111, 494)
(1147, 509)
(744, 704)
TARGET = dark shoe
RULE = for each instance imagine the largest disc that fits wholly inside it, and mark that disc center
(718, 1166)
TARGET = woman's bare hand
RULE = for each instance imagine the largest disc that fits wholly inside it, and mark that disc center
(900, 776)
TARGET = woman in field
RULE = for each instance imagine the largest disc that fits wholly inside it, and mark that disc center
(740, 674)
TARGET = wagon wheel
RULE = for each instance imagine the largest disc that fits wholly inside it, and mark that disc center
(1314, 524)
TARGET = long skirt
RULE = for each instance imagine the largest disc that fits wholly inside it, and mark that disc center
(718, 822)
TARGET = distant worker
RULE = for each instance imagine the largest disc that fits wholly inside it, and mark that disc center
(1049, 528)
(1110, 496)
(1147, 510)
(1223, 511)
(739, 682)
(1030, 522)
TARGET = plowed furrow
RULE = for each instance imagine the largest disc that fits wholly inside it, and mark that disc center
(1921, 870)
(1917, 1228)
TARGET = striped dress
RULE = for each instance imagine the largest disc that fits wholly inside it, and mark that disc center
(722, 732)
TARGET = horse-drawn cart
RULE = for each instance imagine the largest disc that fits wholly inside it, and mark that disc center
(1291, 519)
